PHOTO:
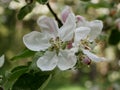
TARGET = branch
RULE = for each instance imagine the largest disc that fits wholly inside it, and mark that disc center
(54, 14)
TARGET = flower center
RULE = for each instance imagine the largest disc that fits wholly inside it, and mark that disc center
(85, 44)
(57, 44)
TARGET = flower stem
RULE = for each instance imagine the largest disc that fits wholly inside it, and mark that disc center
(54, 14)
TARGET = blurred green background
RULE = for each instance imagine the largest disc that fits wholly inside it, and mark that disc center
(100, 76)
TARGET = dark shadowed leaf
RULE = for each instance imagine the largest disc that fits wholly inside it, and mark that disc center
(31, 81)
(16, 0)
(42, 1)
(18, 68)
(14, 75)
(114, 37)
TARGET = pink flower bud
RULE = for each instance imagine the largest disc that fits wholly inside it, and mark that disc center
(69, 45)
(86, 60)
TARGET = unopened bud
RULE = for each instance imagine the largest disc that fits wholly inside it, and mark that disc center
(69, 45)
(80, 20)
(86, 60)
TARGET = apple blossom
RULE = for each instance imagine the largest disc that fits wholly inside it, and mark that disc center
(81, 42)
(52, 40)
(85, 33)
(95, 25)
(61, 44)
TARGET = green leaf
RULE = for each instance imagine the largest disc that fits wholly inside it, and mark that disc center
(33, 65)
(85, 0)
(24, 54)
(31, 81)
(16, 0)
(114, 37)
(42, 1)
(25, 10)
(45, 83)
(13, 77)
(102, 4)
(18, 68)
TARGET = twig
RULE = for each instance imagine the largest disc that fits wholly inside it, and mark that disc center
(54, 14)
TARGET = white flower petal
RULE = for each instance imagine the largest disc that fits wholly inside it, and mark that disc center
(48, 61)
(2, 60)
(81, 33)
(93, 57)
(96, 28)
(66, 31)
(36, 41)
(66, 11)
(67, 59)
(48, 25)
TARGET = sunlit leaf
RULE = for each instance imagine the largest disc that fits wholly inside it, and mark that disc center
(24, 54)
(25, 10)
(33, 65)
(98, 5)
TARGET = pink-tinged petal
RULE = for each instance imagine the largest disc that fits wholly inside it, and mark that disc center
(96, 28)
(67, 59)
(2, 60)
(48, 25)
(93, 57)
(66, 31)
(81, 33)
(36, 41)
(48, 61)
(81, 21)
(66, 11)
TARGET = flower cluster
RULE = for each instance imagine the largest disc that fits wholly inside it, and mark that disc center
(66, 45)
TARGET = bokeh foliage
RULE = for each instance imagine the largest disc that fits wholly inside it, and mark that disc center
(14, 23)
